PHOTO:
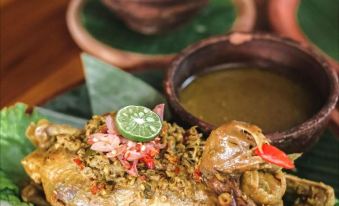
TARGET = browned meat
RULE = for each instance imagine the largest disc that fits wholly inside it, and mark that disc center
(229, 150)
(64, 182)
(228, 164)
(64, 185)
(43, 135)
(34, 193)
(241, 178)
(231, 174)
(307, 193)
(264, 187)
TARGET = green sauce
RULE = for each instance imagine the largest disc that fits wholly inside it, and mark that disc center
(270, 100)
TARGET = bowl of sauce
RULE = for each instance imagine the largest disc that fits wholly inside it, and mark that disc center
(251, 94)
(272, 82)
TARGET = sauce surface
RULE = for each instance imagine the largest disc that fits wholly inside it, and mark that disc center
(270, 100)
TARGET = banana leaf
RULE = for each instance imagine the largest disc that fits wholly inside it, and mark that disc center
(110, 88)
(319, 164)
(74, 102)
(61, 118)
(102, 24)
(77, 102)
(320, 22)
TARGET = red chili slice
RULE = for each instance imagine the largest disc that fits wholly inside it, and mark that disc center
(78, 162)
(197, 176)
(149, 161)
(94, 189)
(275, 156)
(177, 170)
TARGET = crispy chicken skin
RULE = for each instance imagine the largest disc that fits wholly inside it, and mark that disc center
(228, 160)
(64, 184)
(230, 172)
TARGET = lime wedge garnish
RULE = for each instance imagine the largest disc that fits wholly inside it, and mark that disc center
(138, 123)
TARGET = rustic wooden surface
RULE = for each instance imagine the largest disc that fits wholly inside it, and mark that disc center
(38, 58)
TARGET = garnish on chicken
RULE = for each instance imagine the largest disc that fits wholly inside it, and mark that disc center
(236, 165)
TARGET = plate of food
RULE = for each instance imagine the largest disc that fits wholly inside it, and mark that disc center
(116, 140)
(132, 158)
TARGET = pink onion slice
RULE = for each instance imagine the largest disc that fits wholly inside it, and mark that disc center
(128, 152)
(110, 125)
(133, 170)
(159, 109)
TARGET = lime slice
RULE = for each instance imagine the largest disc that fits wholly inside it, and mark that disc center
(138, 123)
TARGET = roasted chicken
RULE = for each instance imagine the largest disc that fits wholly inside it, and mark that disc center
(224, 170)
(66, 181)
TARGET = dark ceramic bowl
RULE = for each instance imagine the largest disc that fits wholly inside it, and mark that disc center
(262, 50)
(154, 16)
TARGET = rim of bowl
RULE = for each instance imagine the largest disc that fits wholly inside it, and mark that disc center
(278, 136)
(163, 1)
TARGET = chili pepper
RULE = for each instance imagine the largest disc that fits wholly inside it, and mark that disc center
(197, 175)
(95, 189)
(149, 161)
(177, 170)
(79, 163)
(275, 156)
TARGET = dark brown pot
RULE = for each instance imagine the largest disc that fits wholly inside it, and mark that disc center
(258, 49)
(154, 16)
(128, 60)
(282, 16)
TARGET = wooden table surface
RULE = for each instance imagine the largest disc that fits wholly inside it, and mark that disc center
(37, 55)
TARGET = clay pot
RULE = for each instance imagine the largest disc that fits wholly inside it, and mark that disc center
(154, 16)
(258, 49)
(128, 60)
(282, 16)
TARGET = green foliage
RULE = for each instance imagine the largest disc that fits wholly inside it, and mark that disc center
(216, 19)
(13, 142)
(9, 192)
(321, 162)
(110, 88)
(74, 102)
(60, 118)
(319, 20)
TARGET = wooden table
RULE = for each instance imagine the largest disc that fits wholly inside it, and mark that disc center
(38, 58)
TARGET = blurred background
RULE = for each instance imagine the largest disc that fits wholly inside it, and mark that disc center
(39, 59)
(38, 55)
